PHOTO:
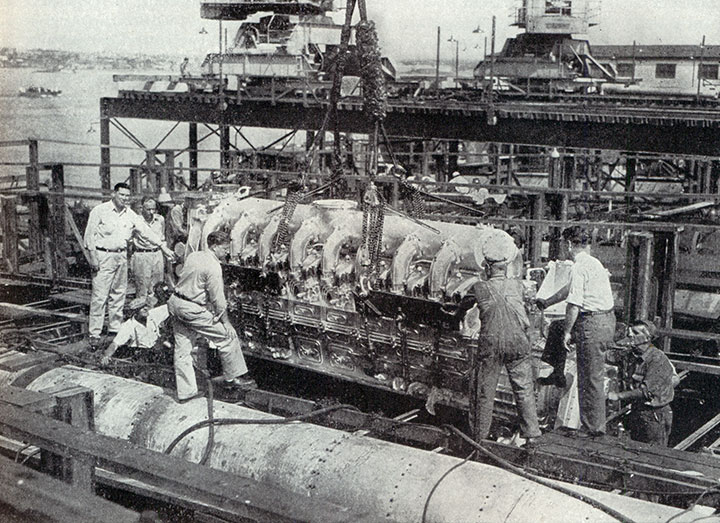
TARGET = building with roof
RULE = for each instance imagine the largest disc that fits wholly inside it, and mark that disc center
(663, 69)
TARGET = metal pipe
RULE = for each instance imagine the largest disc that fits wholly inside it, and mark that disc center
(382, 480)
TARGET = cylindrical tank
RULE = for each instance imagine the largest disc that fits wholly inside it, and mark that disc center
(384, 481)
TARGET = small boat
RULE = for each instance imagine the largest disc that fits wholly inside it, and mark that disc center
(39, 92)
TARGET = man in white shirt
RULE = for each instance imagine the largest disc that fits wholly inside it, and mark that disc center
(590, 322)
(141, 331)
(147, 264)
(109, 228)
(198, 308)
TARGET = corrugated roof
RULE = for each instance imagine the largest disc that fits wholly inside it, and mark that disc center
(677, 52)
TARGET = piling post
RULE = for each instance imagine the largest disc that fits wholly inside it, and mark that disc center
(152, 178)
(74, 406)
(32, 183)
(193, 146)
(224, 148)
(667, 251)
(104, 148)
(56, 203)
(536, 231)
(135, 181)
(167, 175)
(10, 238)
(639, 282)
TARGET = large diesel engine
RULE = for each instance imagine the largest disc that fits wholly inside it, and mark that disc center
(303, 289)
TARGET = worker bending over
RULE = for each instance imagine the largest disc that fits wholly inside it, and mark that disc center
(652, 387)
(198, 307)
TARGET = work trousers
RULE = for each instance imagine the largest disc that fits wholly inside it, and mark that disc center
(650, 424)
(190, 320)
(109, 285)
(148, 269)
(593, 336)
(483, 384)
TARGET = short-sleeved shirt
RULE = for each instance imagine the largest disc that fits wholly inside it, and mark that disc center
(590, 285)
(108, 228)
(157, 226)
(135, 334)
(503, 320)
(201, 281)
(654, 374)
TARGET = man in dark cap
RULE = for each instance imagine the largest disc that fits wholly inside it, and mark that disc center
(590, 322)
(651, 389)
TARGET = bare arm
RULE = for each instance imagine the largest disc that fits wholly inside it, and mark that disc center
(571, 315)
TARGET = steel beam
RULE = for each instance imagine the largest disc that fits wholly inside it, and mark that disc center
(603, 128)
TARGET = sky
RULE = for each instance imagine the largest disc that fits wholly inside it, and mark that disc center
(407, 28)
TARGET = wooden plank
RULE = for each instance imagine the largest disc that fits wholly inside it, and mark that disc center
(76, 233)
(698, 434)
(28, 399)
(242, 497)
(23, 361)
(32, 496)
(15, 311)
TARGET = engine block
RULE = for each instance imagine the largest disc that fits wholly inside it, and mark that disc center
(301, 291)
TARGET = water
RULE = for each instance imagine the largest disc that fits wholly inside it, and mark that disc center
(74, 117)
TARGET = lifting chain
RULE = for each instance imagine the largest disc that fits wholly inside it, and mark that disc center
(372, 225)
(282, 237)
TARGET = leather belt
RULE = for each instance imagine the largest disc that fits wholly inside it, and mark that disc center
(156, 249)
(103, 249)
(595, 313)
(183, 297)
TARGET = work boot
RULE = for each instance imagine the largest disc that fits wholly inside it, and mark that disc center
(555, 379)
(244, 382)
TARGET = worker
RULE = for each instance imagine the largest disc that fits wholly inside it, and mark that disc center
(198, 307)
(503, 340)
(590, 323)
(147, 263)
(652, 390)
(143, 329)
(184, 67)
(109, 229)
(177, 228)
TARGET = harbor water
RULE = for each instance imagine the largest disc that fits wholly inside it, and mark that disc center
(68, 128)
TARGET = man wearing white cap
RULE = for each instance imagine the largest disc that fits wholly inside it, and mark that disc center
(503, 340)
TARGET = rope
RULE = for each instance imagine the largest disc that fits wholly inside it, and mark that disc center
(559, 488)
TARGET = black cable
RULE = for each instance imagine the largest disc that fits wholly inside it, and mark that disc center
(437, 483)
(247, 421)
(559, 488)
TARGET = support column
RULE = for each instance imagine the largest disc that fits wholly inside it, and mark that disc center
(135, 181)
(10, 238)
(536, 231)
(453, 158)
(640, 284)
(193, 146)
(32, 183)
(167, 175)
(151, 177)
(667, 251)
(56, 203)
(105, 183)
(224, 148)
